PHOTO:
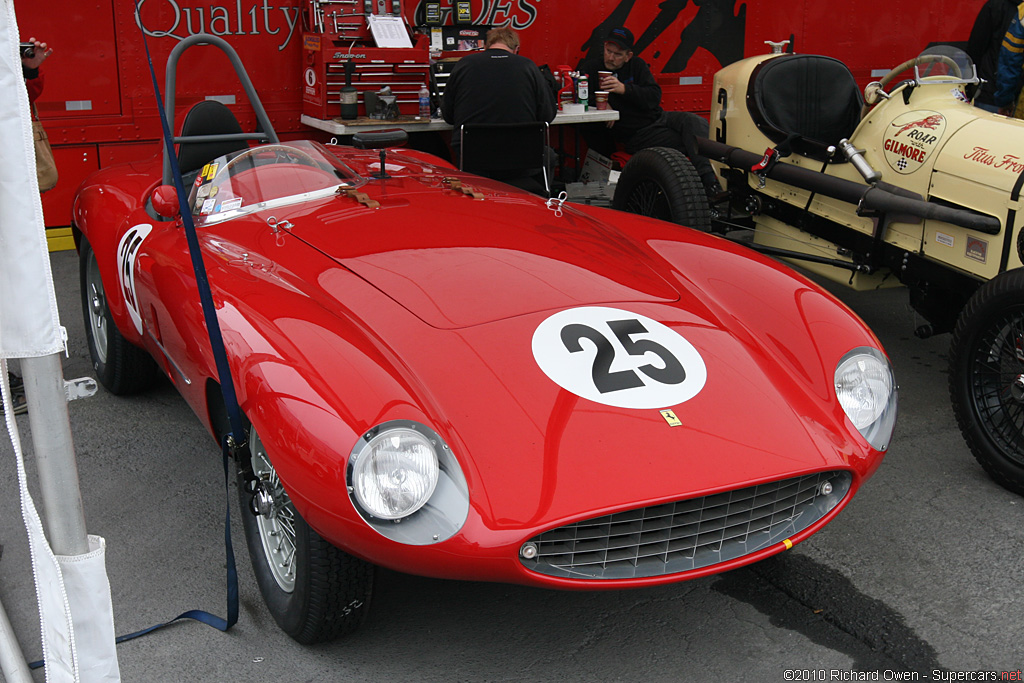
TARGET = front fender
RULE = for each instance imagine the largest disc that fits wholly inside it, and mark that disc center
(102, 213)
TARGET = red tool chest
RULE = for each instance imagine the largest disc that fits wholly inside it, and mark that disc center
(340, 35)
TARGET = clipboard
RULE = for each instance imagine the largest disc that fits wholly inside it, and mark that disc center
(389, 31)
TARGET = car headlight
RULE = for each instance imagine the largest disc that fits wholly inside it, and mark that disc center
(867, 392)
(395, 473)
(405, 482)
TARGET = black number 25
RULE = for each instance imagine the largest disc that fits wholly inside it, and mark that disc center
(604, 378)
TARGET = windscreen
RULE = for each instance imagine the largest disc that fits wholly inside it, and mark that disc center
(266, 176)
(945, 63)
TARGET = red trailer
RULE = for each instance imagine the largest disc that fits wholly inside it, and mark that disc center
(99, 108)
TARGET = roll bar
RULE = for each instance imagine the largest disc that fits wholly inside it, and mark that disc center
(265, 130)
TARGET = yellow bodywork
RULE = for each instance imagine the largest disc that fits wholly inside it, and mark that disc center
(936, 145)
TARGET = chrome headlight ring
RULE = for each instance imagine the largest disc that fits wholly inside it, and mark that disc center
(404, 481)
(867, 391)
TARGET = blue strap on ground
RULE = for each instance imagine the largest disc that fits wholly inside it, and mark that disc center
(232, 590)
(224, 375)
(199, 615)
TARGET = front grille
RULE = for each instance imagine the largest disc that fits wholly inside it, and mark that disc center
(689, 534)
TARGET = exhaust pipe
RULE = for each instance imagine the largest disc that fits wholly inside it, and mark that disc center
(880, 197)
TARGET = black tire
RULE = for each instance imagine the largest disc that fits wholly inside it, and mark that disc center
(662, 183)
(328, 592)
(986, 379)
(120, 366)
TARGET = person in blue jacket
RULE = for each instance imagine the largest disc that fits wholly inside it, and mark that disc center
(986, 38)
(1008, 70)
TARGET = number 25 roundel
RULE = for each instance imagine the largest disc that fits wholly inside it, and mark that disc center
(618, 358)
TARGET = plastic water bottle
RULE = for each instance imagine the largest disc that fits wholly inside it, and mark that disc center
(424, 102)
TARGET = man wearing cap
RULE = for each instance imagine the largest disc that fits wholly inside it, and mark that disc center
(636, 95)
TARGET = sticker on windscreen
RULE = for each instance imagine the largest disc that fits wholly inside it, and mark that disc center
(618, 358)
(127, 253)
(230, 205)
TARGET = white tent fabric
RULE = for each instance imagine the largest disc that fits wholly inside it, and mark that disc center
(28, 305)
(73, 592)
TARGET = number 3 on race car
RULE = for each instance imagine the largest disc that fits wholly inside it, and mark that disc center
(618, 358)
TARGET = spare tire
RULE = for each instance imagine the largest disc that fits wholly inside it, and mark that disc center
(662, 183)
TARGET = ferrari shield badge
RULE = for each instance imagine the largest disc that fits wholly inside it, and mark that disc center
(618, 358)
(671, 418)
(911, 138)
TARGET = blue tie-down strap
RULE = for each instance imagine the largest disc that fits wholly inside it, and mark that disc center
(236, 439)
(232, 576)
(232, 573)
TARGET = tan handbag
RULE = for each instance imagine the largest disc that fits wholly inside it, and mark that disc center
(46, 167)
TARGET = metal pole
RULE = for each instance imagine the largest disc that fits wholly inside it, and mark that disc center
(12, 662)
(55, 455)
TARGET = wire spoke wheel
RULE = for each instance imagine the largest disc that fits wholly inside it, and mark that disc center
(97, 307)
(120, 366)
(313, 590)
(986, 379)
(648, 199)
(998, 383)
(275, 517)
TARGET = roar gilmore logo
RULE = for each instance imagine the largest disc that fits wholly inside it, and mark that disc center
(910, 139)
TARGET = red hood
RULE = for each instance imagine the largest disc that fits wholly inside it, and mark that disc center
(484, 260)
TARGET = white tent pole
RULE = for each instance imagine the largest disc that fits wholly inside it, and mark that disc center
(54, 454)
(12, 662)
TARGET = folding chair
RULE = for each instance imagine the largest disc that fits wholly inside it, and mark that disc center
(514, 153)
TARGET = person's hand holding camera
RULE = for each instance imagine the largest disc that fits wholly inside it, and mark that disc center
(34, 53)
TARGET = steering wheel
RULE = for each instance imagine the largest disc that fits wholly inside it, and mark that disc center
(281, 153)
(876, 89)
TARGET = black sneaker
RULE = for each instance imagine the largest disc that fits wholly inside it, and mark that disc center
(16, 382)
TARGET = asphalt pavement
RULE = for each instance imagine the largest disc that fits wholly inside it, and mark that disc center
(920, 575)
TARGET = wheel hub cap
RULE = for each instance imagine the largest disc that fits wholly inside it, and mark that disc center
(97, 311)
(263, 501)
(1017, 389)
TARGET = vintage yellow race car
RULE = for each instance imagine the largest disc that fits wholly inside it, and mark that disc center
(907, 184)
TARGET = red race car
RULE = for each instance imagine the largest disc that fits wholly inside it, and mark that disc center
(449, 377)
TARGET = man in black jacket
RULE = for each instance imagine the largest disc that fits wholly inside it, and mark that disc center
(496, 86)
(636, 95)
